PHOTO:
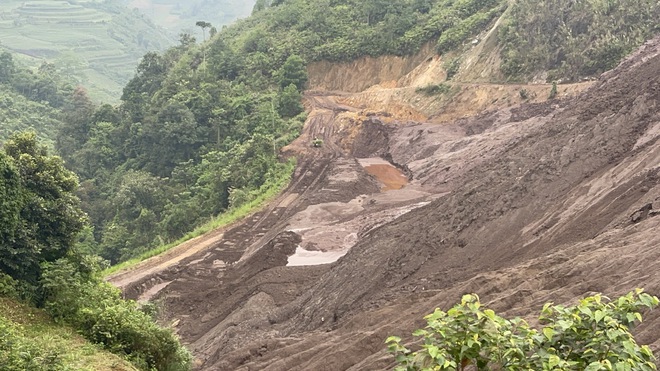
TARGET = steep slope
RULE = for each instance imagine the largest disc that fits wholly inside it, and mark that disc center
(30, 339)
(547, 204)
(534, 203)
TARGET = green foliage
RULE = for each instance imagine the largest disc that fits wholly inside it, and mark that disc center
(452, 67)
(553, 91)
(189, 141)
(348, 29)
(8, 286)
(289, 104)
(573, 39)
(7, 67)
(292, 72)
(434, 89)
(30, 100)
(41, 220)
(30, 340)
(18, 353)
(592, 335)
(77, 296)
(259, 197)
(93, 43)
(43, 216)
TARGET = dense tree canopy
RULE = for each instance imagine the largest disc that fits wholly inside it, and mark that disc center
(573, 39)
(41, 211)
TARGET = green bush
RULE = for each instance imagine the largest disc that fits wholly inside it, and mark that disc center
(8, 286)
(434, 89)
(553, 91)
(96, 309)
(18, 353)
(592, 335)
(452, 68)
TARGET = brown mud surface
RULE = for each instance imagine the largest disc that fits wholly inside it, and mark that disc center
(521, 204)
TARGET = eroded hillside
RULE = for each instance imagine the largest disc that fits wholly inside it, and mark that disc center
(548, 200)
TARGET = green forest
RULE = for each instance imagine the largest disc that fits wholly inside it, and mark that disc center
(199, 128)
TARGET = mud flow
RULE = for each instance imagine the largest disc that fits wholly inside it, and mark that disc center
(391, 177)
(328, 230)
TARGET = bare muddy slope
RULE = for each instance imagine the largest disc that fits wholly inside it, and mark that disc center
(563, 202)
(523, 205)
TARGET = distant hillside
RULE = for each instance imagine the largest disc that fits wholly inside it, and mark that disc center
(177, 15)
(94, 43)
(31, 100)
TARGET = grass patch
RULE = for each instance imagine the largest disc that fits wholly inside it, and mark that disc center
(30, 339)
(267, 193)
(434, 89)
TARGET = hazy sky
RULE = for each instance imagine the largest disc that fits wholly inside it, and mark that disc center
(178, 15)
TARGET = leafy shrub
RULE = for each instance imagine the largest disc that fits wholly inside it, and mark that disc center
(592, 335)
(434, 89)
(18, 353)
(452, 68)
(553, 91)
(96, 309)
(8, 286)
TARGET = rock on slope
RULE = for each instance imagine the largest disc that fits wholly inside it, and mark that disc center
(544, 207)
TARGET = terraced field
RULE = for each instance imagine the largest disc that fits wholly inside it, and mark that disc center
(96, 43)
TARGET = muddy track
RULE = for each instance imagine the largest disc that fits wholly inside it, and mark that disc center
(229, 244)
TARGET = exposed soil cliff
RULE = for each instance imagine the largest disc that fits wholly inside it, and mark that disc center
(522, 204)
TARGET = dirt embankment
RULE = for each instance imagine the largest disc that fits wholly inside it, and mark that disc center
(522, 204)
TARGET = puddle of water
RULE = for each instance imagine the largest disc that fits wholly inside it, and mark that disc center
(304, 257)
(391, 177)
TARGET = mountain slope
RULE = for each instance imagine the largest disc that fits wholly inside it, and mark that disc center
(540, 210)
(534, 199)
(533, 203)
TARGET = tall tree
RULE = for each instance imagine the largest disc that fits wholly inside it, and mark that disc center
(7, 67)
(203, 25)
(77, 117)
(293, 71)
(49, 218)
